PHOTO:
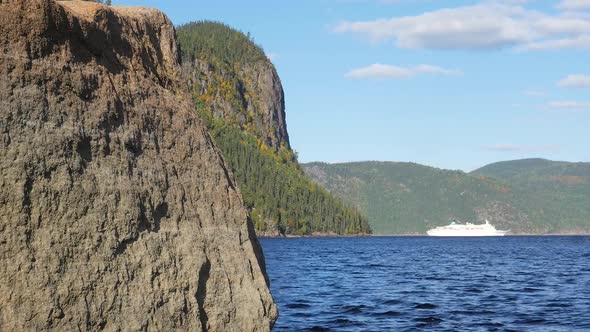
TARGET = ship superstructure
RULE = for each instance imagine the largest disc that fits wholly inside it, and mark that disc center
(468, 229)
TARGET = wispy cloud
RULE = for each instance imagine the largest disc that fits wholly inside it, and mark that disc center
(521, 148)
(490, 25)
(388, 2)
(575, 81)
(437, 70)
(574, 4)
(394, 2)
(579, 42)
(568, 106)
(378, 70)
(535, 93)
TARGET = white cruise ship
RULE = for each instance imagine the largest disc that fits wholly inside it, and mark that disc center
(468, 229)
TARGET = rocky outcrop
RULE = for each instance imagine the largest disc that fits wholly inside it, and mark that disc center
(245, 92)
(116, 209)
(262, 99)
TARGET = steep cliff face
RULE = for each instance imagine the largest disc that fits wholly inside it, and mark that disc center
(235, 81)
(259, 105)
(238, 93)
(116, 209)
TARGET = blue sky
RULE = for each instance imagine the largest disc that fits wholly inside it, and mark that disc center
(450, 84)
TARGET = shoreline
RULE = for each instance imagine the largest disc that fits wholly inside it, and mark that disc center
(315, 235)
(322, 235)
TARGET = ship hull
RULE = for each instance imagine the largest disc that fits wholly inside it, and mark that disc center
(464, 233)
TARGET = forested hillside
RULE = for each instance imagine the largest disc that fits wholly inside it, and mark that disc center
(538, 171)
(238, 94)
(554, 192)
(407, 198)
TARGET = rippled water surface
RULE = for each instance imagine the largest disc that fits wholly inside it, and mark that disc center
(434, 284)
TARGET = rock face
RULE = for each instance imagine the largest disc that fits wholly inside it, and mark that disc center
(116, 209)
(243, 89)
(261, 100)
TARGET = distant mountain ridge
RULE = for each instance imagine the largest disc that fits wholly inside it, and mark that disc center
(535, 169)
(555, 192)
(533, 196)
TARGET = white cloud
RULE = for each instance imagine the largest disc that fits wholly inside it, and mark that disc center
(395, 2)
(483, 26)
(521, 148)
(579, 42)
(535, 93)
(428, 69)
(378, 70)
(575, 81)
(574, 4)
(568, 106)
(514, 2)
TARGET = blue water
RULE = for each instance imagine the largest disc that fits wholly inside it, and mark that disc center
(432, 284)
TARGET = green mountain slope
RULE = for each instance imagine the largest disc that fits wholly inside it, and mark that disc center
(537, 171)
(238, 94)
(407, 198)
(278, 194)
(556, 192)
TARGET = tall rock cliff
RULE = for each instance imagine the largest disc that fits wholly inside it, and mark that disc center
(116, 209)
(238, 93)
(232, 77)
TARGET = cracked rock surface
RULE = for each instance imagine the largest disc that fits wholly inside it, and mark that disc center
(117, 212)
